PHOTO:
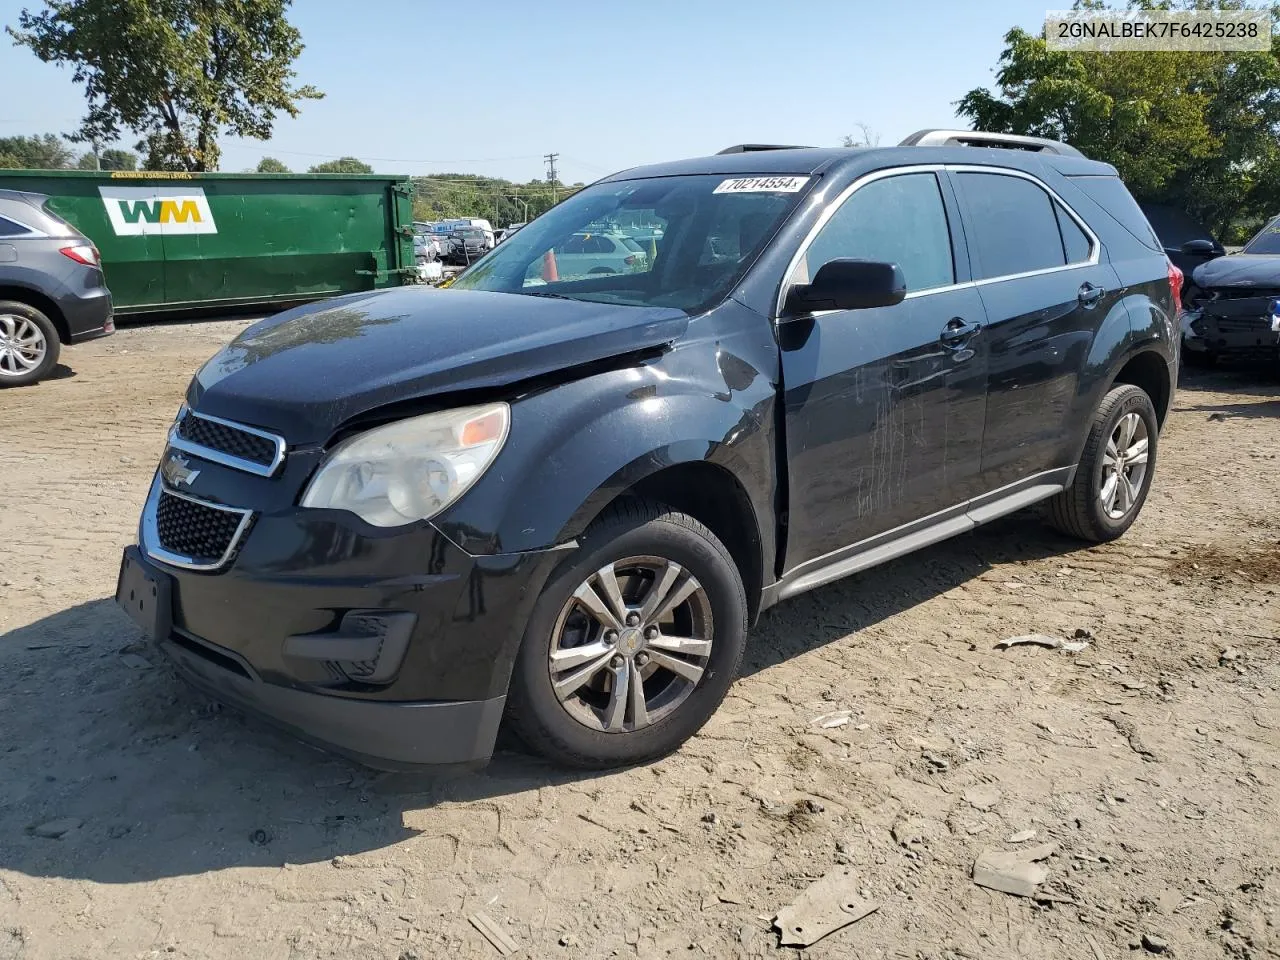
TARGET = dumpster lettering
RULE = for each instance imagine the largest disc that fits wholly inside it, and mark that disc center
(135, 211)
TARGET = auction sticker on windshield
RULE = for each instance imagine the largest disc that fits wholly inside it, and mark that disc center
(761, 185)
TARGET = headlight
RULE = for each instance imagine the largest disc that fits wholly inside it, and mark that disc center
(413, 469)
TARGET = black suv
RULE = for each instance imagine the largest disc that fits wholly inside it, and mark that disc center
(558, 498)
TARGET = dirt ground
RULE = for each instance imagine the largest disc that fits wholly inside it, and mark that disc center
(1150, 760)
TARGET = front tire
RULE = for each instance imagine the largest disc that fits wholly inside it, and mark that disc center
(28, 344)
(1114, 475)
(633, 643)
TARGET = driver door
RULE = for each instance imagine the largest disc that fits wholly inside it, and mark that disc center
(884, 407)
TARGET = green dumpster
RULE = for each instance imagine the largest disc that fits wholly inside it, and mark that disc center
(175, 241)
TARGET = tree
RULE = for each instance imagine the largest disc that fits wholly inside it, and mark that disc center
(865, 137)
(342, 165)
(108, 160)
(1200, 131)
(47, 152)
(271, 165)
(116, 159)
(178, 73)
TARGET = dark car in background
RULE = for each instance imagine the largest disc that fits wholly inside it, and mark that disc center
(1232, 303)
(394, 521)
(1187, 242)
(51, 288)
(467, 245)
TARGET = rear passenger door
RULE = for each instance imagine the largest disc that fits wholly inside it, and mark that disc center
(1046, 293)
(884, 407)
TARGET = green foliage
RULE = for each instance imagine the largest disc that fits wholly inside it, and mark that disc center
(47, 152)
(449, 196)
(342, 165)
(1199, 131)
(272, 165)
(115, 159)
(177, 72)
(108, 160)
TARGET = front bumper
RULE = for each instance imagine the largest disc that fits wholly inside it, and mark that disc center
(1231, 329)
(384, 735)
(259, 631)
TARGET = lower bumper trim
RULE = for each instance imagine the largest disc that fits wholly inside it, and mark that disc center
(381, 734)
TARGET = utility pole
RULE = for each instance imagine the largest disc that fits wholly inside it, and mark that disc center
(551, 173)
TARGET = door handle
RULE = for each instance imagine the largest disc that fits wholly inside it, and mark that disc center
(1090, 294)
(957, 331)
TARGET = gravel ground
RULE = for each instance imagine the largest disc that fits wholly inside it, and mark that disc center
(1149, 761)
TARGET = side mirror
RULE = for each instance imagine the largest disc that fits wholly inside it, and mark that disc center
(849, 285)
(1199, 248)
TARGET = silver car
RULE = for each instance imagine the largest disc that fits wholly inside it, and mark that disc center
(51, 288)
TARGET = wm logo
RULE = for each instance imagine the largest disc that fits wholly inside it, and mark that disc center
(166, 211)
(160, 211)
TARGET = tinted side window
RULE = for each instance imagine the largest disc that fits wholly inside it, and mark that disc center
(1011, 225)
(1113, 197)
(10, 229)
(899, 219)
(1074, 240)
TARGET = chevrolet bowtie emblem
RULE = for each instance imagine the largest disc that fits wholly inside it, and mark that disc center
(176, 470)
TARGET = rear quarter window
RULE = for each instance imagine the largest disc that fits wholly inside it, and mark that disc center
(10, 229)
(1114, 197)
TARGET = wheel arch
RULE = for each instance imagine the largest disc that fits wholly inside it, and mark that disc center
(37, 300)
(715, 497)
(1149, 371)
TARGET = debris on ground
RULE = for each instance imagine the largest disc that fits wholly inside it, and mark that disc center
(1018, 872)
(1045, 640)
(829, 721)
(492, 931)
(1022, 836)
(57, 829)
(981, 798)
(1126, 729)
(822, 908)
(906, 833)
(1154, 944)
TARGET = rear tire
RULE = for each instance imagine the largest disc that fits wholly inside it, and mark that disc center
(1114, 475)
(600, 723)
(29, 344)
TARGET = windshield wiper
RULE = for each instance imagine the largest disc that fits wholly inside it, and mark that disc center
(546, 293)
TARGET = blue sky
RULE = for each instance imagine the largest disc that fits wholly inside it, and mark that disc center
(489, 87)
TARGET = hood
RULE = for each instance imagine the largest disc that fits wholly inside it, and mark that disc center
(1239, 270)
(306, 371)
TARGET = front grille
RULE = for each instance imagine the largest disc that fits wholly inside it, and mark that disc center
(227, 439)
(1257, 325)
(199, 532)
(1243, 293)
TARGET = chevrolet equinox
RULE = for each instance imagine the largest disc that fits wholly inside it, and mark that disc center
(557, 499)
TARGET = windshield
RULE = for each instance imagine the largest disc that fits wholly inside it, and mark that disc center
(1267, 240)
(664, 242)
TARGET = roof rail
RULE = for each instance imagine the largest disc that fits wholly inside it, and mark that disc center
(981, 138)
(754, 147)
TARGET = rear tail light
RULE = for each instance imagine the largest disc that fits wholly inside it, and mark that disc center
(630, 261)
(1175, 288)
(83, 253)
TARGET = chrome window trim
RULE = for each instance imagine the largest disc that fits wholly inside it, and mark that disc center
(31, 231)
(226, 459)
(149, 534)
(1095, 245)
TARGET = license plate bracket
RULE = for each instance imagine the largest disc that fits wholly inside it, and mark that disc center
(145, 594)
